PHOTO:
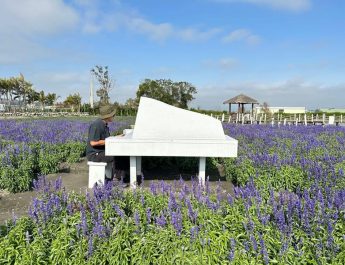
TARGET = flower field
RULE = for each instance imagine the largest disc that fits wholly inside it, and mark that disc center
(288, 207)
(35, 147)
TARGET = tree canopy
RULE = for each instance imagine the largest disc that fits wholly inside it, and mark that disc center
(178, 94)
(73, 100)
(15, 88)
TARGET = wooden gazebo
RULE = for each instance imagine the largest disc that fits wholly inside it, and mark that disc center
(241, 100)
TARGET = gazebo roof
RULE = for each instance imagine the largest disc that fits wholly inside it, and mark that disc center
(242, 99)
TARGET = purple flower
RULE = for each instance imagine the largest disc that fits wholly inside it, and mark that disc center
(246, 246)
(263, 250)
(219, 192)
(84, 225)
(194, 231)
(99, 229)
(142, 200)
(137, 220)
(193, 215)
(161, 220)
(58, 184)
(176, 220)
(148, 215)
(232, 249)
(118, 211)
(90, 247)
(230, 199)
(153, 188)
(172, 201)
(254, 242)
(207, 185)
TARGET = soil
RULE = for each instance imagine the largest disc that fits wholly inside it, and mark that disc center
(75, 178)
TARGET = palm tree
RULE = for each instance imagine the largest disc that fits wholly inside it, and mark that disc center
(73, 101)
(2, 87)
(41, 98)
(24, 88)
(32, 95)
(6, 87)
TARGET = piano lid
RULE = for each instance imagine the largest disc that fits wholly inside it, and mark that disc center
(158, 120)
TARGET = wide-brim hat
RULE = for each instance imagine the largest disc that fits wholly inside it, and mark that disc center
(107, 111)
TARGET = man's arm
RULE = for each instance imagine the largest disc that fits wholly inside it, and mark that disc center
(97, 143)
(94, 137)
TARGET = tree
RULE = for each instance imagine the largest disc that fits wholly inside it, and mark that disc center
(12, 88)
(4, 88)
(32, 96)
(23, 88)
(73, 101)
(50, 99)
(105, 82)
(20, 90)
(131, 104)
(178, 94)
(266, 109)
(15, 88)
(42, 98)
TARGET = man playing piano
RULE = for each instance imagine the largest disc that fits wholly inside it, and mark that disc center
(95, 150)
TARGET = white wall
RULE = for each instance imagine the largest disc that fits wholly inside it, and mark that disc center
(289, 110)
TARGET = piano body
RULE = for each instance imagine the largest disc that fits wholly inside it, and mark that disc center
(164, 130)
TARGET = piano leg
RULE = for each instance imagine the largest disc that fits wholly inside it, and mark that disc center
(139, 165)
(133, 171)
(202, 170)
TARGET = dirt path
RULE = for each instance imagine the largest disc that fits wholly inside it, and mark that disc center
(75, 178)
(18, 203)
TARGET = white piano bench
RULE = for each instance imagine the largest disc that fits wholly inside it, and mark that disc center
(97, 172)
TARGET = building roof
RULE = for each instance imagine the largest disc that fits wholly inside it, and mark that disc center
(241, 99)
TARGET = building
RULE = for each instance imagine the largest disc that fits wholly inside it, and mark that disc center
(331, 110)
(286, 110)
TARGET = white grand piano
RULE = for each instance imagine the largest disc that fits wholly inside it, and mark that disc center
(164, 130)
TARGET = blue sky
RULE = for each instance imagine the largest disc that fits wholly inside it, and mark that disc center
(283, 52)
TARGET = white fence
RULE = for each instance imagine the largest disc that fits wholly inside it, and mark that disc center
(306, 119)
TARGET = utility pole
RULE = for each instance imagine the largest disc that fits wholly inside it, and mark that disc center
(91, 91)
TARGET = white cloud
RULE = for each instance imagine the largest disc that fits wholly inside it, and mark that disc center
(118, 17)
(289, 5)
(95, 20)
(193, 34)
(158, 31)
(163, 31)
(62, 83)
(242, 35)
(292, 92)
(25, 23)
(30, 17)
(222, 64)
(27, 26)
(19, 50)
